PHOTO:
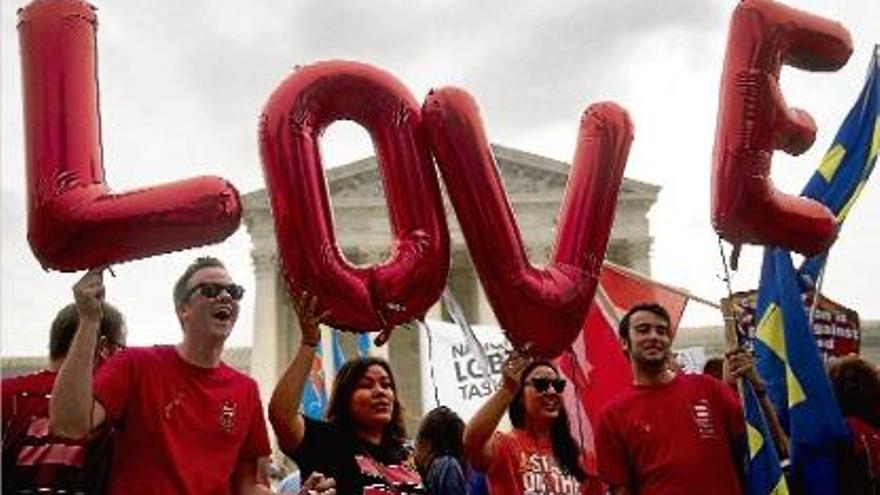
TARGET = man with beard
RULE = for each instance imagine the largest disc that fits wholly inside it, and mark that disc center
(671, 433)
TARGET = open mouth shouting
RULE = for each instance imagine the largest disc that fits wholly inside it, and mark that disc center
(223, 313)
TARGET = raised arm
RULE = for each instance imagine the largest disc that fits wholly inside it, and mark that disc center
(73, 411)
(284, 411)
(479, 443)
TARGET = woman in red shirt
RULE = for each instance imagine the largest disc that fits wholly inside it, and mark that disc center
(538, 455)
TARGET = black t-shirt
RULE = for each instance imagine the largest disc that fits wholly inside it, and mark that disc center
(359, 467)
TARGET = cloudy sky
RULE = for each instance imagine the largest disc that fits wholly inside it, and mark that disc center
(182, 85)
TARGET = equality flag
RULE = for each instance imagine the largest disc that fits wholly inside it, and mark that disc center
(788, 358)
(763, 472)
(789, 361)
(849, 161)
(596, 364)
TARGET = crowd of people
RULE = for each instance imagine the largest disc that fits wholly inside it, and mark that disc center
(175, 419)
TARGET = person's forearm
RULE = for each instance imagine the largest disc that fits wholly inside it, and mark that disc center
(483, 424)
(287, 396)
(70, 407)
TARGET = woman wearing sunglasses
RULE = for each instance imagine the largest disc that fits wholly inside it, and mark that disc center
(538, 455)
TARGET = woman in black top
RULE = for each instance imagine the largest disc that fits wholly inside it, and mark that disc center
(361, 443)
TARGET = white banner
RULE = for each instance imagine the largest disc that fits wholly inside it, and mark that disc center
(457, 377)
(691, 359)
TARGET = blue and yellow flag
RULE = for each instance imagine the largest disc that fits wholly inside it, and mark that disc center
(788, 359)
(849, 161)
(787, 356)
(763, 469)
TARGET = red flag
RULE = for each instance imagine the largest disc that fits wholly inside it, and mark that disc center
(596, 365)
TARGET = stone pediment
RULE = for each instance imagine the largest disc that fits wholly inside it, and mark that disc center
(524, 175)
(527, 178)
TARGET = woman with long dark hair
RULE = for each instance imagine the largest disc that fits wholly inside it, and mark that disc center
(538, 455)
(439, 452)
(361, 442)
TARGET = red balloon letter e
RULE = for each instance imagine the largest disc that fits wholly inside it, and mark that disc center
(74, 221)
(754, 120)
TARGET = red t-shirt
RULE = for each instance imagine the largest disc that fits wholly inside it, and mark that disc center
(526, 465)
(861, 468)
(673, 438)
(35, 461)
(181, 428)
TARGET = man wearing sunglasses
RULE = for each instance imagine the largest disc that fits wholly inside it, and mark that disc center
(187, 422)
(668, 433)
(33, 460)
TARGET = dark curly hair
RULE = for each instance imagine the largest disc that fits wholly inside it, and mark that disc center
(565, 449)
(857, 388)
(339, 407)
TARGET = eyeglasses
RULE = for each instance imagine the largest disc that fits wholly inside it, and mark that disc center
(212, 290)
(543, 384)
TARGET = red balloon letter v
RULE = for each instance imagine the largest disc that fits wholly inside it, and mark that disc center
(543, 309)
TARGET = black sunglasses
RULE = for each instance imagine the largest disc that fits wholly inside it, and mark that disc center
(212, 290)
(543, 384)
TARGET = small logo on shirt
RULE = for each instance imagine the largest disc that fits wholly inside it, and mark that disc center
(228, 415)
(703, 419)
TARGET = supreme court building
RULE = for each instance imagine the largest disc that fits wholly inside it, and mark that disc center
(535, 186)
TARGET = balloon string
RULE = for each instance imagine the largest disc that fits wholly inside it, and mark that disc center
(473, 343)
(732, 339)
(726, 277)
(817, 290)
(427, 329)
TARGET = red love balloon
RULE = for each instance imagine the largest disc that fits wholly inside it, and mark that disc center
(754, 120)
(74, 221)
(539, 309)
(358, 298)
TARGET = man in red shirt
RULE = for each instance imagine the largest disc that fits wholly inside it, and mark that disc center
(33, 460)
(669, 433)
(186, 422)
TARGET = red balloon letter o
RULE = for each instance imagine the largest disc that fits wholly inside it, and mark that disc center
(411, 280)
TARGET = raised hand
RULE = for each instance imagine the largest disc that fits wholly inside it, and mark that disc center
(306, 307)
(88, 293)
(512, 368)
